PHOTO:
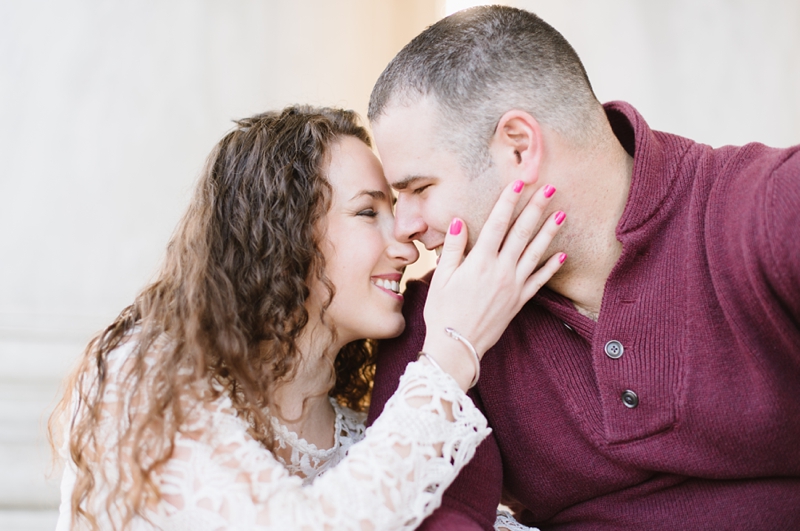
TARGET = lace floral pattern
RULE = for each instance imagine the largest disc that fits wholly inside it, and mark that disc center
(506, 522)
(221, 478)
(308, 461)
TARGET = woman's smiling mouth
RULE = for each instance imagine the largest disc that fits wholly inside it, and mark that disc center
(389, 284)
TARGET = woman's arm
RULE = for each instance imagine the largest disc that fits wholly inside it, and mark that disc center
(392, 479)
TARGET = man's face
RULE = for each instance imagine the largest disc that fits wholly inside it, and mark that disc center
(420, 164)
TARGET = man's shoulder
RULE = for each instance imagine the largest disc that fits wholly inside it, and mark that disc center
(744, 180)
(754, 159)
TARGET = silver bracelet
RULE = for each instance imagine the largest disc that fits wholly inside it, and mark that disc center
(431, 360)
(458, 337)
(439, 367)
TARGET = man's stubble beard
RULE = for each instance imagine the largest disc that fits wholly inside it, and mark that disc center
(486, 190)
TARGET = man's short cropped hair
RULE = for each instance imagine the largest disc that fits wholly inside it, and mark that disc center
(482, 62)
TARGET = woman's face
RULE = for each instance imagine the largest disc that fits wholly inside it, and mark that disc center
(363, 260)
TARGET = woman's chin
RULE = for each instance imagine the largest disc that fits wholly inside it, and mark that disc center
(390, 330)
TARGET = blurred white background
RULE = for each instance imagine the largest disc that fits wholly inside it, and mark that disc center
(108, 109)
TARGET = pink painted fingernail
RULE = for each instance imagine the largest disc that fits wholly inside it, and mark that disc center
(560, 217)
(455, 227)
(549, 191)
(518, 186)
(562, 257)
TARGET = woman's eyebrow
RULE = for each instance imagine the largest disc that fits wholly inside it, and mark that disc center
(375, 194)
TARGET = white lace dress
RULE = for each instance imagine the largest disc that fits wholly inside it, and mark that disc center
(219, 477)
(308, 462)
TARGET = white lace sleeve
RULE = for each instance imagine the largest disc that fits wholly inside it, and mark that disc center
(506, 522)
(392, 479)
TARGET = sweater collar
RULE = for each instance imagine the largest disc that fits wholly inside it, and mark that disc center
(656, 161)
(654, 167)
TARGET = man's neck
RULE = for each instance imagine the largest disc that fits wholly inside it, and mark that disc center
(597, 192)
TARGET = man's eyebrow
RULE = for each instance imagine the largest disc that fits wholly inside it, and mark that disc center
(408, 181)
(375, 194)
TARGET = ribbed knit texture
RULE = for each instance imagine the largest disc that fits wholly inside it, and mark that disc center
(705, 300)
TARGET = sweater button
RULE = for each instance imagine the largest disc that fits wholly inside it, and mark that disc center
(630, 399)
(614, 349)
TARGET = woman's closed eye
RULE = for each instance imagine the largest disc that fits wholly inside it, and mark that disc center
(367, 212)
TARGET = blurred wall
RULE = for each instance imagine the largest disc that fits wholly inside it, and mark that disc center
(108, 109)
(718, 71)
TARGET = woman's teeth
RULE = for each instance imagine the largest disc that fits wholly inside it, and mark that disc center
(387, 284)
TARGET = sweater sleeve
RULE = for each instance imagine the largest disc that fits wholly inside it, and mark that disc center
(782, 227)
(753, 237)
(471, 501)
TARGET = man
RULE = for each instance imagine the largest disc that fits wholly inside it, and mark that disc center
(655, 383)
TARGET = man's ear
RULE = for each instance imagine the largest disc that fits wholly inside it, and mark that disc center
(517, 145)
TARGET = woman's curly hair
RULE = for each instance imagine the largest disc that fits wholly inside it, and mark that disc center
(236, 277)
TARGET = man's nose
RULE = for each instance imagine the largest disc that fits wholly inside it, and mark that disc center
(404, 253)
(408, 223)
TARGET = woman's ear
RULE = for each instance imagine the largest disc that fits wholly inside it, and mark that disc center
(517, 146)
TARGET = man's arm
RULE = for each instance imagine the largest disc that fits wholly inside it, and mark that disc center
(753, 234)
(471, 501)
(783, 219)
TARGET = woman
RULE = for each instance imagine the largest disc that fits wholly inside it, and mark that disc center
(247, 354)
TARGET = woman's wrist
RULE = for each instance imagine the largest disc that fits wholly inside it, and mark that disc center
(476, 359)
(453, 357)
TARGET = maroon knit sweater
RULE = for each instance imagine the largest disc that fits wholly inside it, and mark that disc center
(705, 302)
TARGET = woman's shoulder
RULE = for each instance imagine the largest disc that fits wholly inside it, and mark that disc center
(128, 347)
(208, 411)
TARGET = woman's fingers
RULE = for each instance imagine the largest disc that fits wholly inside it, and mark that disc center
(494, 230)
(455, 242)
(525, 226)
(536, 249)
(479, 295)
(538, 279)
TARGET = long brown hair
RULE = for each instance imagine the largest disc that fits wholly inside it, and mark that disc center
(236, 277)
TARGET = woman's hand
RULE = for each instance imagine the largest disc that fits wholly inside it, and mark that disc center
(478, 295)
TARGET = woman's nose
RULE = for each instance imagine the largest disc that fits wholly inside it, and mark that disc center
(404, 252)
(401, 250)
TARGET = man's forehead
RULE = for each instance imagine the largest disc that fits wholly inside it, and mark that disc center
(412, 168)
(409, 144)
(407, 114)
